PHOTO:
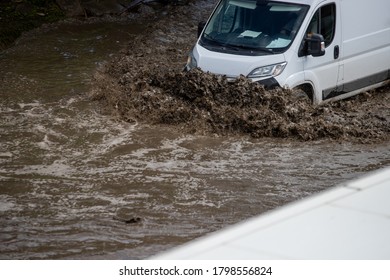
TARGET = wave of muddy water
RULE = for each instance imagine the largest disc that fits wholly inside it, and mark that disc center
(79, 184)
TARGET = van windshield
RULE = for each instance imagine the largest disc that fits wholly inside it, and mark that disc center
(253, 27)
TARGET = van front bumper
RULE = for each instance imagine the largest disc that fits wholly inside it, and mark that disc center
(269, 83)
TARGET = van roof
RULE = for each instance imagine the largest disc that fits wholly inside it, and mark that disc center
(307, 2)
(304, 2)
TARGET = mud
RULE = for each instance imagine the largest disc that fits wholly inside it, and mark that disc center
(146, 84)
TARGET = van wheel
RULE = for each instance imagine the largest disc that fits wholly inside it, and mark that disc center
(303, 92)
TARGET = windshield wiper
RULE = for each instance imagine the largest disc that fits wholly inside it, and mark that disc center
(212, 41)
(254, 49)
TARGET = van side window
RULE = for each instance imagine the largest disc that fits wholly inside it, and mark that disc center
(324, 23)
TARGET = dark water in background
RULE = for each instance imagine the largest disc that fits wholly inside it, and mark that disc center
(66, 171)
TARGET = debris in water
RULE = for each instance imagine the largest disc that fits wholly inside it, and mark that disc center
(133, 220)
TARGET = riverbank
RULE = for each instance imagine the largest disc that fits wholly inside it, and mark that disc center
(18, 16)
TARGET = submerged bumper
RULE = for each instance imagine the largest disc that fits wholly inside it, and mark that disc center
(269, 83)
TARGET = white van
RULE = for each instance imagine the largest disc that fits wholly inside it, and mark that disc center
(331, 49)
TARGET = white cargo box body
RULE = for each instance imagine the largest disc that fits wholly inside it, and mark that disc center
(270, 42)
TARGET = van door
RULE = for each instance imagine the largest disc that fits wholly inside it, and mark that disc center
(324, 72)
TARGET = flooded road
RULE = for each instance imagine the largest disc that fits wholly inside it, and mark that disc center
(78, 184)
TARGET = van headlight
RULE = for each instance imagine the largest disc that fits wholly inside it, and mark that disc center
(191, 62)
(268, 71)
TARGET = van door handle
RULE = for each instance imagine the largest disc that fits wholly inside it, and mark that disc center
(336, 52)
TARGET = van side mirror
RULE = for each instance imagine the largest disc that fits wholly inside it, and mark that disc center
(201, 26)
(315, 45)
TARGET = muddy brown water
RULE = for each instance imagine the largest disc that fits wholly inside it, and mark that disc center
(79, 184)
